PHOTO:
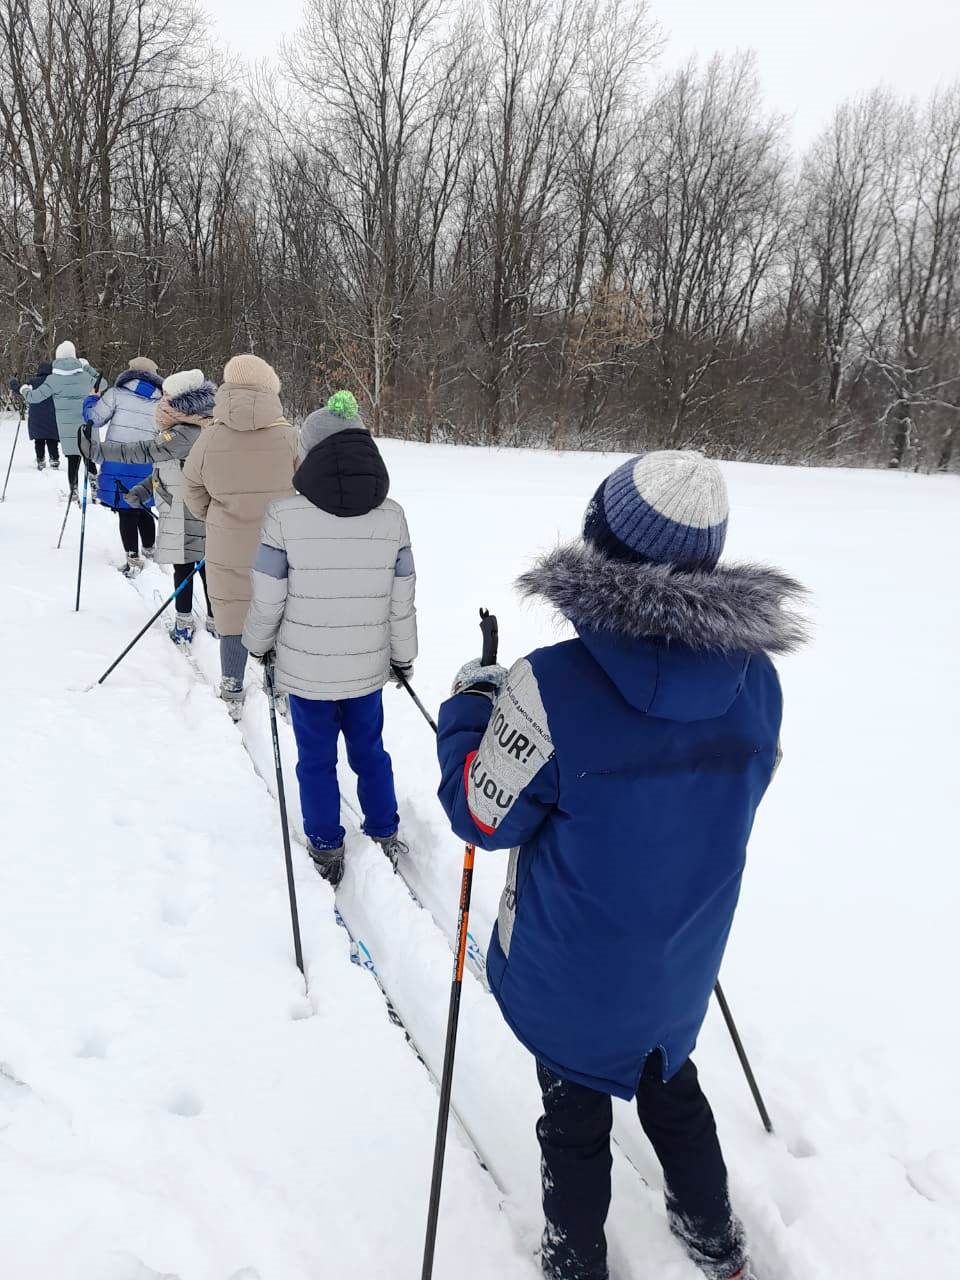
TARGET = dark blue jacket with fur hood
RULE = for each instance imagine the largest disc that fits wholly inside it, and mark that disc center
(624, 769)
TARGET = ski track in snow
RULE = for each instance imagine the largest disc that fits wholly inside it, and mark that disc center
(173, 1108)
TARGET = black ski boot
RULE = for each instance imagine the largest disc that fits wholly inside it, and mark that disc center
(393, 847)
(329, 863)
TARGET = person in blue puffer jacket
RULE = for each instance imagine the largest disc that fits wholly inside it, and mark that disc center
(126, 414)
(624, 768)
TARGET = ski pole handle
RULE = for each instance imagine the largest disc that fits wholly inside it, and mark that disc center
(491, 637)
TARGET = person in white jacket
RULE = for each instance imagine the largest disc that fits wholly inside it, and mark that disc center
(333, 596)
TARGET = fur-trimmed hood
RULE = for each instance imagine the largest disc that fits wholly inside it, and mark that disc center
(678, 644)
(732, 609)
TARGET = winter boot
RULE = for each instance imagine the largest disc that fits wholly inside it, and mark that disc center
(73, 496)
(182, 633)
(55, 464)
(393, 847)
(150, 553)
(41, 465)
(329, 863)
(231, 692)
(133, 567)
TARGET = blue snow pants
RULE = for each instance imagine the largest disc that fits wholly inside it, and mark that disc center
(317, 727)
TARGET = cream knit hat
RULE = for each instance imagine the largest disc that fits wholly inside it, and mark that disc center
(142, 364)
(250, 371)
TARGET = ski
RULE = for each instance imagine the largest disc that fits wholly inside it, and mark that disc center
(360, 953)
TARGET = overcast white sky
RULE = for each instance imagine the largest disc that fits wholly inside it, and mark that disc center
(812, 53)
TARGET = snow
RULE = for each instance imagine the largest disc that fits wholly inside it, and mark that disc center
(173, 1105)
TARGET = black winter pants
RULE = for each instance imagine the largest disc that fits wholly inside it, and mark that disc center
(73, 469)
(184, 602)
(51, 447)
(136, 526)
(574, 1134)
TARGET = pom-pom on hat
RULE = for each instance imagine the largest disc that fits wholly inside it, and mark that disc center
(341, 413)
(66, 351)
(143, 364)
(250, 371)
(668, 507)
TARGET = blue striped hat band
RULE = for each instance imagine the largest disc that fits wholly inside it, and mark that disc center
(669, 507)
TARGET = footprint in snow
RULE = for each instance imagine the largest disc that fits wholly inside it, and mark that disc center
(175, 913)
(93, 1046)
(185, 1103)
(157, 960)
(127, 1266)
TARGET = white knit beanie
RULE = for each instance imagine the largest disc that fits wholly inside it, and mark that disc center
(66, 351)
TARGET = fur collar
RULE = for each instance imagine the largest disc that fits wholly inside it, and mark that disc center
(734, 608)
(130, 377)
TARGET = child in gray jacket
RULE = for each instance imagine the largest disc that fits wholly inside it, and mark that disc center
(333, 597)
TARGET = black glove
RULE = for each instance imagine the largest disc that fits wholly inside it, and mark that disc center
(14, 386)
(398, 669)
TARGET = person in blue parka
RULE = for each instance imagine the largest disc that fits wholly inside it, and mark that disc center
(623, 768)
(42, 419)
(126, 415)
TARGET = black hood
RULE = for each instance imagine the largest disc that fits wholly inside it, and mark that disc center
(344, 474)
(44, 369)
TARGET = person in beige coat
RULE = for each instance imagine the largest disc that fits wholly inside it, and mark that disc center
(242, 462)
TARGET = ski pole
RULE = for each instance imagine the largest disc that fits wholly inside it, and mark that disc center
(83, 531)
(491, 640)
(16, 437)
(401, 676)
(143, 630)
(488, 624)
(64, 525)
(742, 1055)
(284, 823)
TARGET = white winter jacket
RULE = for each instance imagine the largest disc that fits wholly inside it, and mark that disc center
(334, 593)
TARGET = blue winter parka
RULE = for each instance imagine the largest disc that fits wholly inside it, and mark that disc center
(42, 417)
(623, 769)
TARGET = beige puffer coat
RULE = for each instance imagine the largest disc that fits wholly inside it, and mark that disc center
(243, 461)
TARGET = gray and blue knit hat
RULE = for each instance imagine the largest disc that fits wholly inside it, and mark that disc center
(669, 507)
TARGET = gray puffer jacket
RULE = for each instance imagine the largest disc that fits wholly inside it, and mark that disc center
(333, 581)
(179, 419)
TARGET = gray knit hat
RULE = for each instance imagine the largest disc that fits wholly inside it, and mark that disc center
(669, 507)
(341, 413)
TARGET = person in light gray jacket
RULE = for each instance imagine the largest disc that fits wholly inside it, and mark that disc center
(184, 409)
(333, 588)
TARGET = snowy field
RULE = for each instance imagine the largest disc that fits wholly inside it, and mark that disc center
(173, 1106)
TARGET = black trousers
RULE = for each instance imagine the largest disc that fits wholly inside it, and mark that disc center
(73, 469)
(184, 601)
(136, 526)
(52, 448)
(574, 1135)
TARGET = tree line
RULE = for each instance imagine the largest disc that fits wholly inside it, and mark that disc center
(496, 221)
